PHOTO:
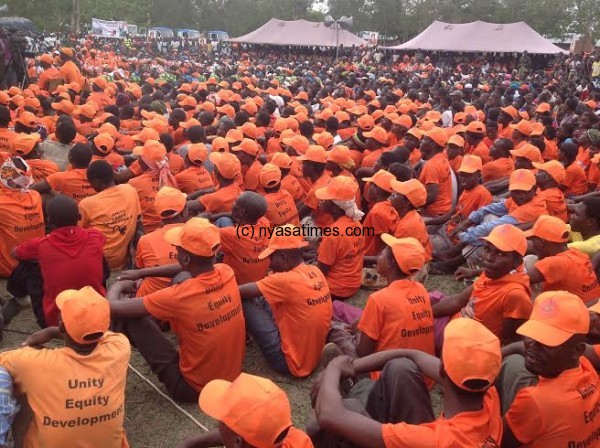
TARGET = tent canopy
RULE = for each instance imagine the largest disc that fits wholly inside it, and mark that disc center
(481, 37)
(299, 33)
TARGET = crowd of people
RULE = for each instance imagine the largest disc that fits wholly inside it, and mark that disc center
(236, 200)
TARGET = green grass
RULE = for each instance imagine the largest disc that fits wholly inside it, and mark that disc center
(152, 422)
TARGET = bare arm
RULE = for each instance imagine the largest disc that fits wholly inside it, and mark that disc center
(195, 206)
(366, 346)
(324, 268)
(535, 276)
(249, 290)
(42, 187)
(169, 271)
(432, 193)
(429, 365)
(452, 304)
(591, 355)
(509, 330)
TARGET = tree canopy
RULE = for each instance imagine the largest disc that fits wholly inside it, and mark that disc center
(402, 19)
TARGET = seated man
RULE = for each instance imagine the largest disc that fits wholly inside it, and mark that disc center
(340, 254)
(585, 221)
(269, 424)
(436, 173)
(382, 217)
(550, 394)
(92, 364)
(500, 297)
(68, 258)
(204, 311)
(398, 406)
(288, 312)
(521, 209)
(281, 207)
(548, 179)
(557, 267)
(502, 165)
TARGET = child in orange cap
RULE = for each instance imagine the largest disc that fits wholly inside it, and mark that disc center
(203, 308)
(90, 351)
(247, 151)
(547, 377)
(281, 208)
(548, 179)
(467, 370)
(382, 217)
(436, 173)
(251, 411)
(341, 251)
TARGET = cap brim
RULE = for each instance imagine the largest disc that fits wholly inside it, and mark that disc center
(388, 239)
(64, 297)
(266, 253)
(324, 194)
(211, 399)
(595, 308)
(544, 333)
(469, 170)
(173, 236)
(518, 186)
(529, 233)
(498, 244)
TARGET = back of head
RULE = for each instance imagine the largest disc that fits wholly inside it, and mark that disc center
(62, 211)
(197, 134)
(167, 140)
(80, 155)
(66, 132)
(570, 150)
(114, 120)
(400, 154)
(206, 118)
(101, 172)
(592, 208)
(400, 171)
(4, 116)
(332, 124)
(253, 204)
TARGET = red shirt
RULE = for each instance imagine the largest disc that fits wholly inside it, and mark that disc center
(69, 258)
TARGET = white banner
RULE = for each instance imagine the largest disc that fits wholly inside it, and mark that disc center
(109, 28)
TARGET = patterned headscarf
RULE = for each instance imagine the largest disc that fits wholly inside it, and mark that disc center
(594, 136)
(350, 209)
(16, 178)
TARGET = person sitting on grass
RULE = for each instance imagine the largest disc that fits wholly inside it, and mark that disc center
(382, 217)
(396, 410)
(548, 179)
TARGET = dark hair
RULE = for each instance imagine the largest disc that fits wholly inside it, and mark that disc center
(80, 155)
(241, 118)
(400, 171)
(127, 112)
(592, 208)
(4, 116)
(206, 118)
(332, 124)
(100, 170)
(570, 150)
(307, 129)
(111, 109)
(538, 143)
(63, 211)
(167, 140)
(262, 119)
(66, 132)
(114, 120)
(197, 134)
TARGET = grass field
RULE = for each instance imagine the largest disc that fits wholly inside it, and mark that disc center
(153, 422)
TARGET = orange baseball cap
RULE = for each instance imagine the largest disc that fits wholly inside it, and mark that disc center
(508, 238)
(340, 188)
(85, 110)
(68, 52)
(227, 164)
(414, 191)
(408, 253)
(248, 146)
(227, 109)
(32, 102)
(549, 228)
(383, 179)
(189, 123)
(188, 101)
(109, 129)
(403, 120)
(282, 160)
(280, 125)
(284, 237)
(207, 106)
(152, 151)
(314, 153)
(100, 82)
(470, 164)
(554, 168)
(342, 116)
(523, 126)
(366, 122)
(528, 151)
(416, 133)
(324, 139)
(28, 119)
(197, 153)
(160, 126)
(219, 144)
(477, 127)
(510, 110)
(146, 134)
(341, 156)
(438, 135)
(47, 58)
(254, 408)
(234, 136)
(521, 180)
(298, 142)
(460, 117)
(377, 133)
(470, 352)
(456, 140)
(250, 107)
(542, 108)
(556, 317)
(84, 313)
(197, 236)
(270, 175)
(104, 142)
(169, 202)
(537, 130)
(23, 144)
(249, 130)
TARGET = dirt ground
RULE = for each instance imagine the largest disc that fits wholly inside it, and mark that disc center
(153, 422)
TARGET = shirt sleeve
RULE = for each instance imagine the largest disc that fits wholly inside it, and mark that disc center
(525, 418)
(495, 208)
(274, 287)
(83, 220)
(588, 247)
(29, 250)
(551, 269)
(404, 435)
(517, 304)
(430, 174)
(379, 221)
(328, 251)
(55, 181)
(474, 234)
(161, 304)
(228, 239)
(370, 320)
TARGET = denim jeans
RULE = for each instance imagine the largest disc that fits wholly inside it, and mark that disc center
(224, 222)
(261, 325)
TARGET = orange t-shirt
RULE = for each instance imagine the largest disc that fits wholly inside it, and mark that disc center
(551, 150)
(176, 163)
(40, 169)
(482, 429)
(273, 145)
(311, 201)
(113, 158)
(399, 316)
(46, 76)
(414, 157)
(594, 175)
(205, 312)
(251, 179)
(437, 171)
(22, 219)
(570, 271)
(583, 157)
(131, 125)
(382, 218)
(576, 180)
(494, 300)
(468, 202)
(371, 157)
(241, 246)
(114, 212)
(455, 163)
(528, 212)
(498, 169)
(346, 133)
(222, 200)
(483, 151)
(153, 250)
(147, 186)
(343, 253)
(70, 73)
(7, 137)
(555, 202)
(72, 183)
(412, 225)
(193, 179)
(281, 208)
(292, 186)
(77, 400)
(561, 411)
(303, 318)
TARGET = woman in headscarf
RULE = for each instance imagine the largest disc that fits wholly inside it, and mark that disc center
(155, 175)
